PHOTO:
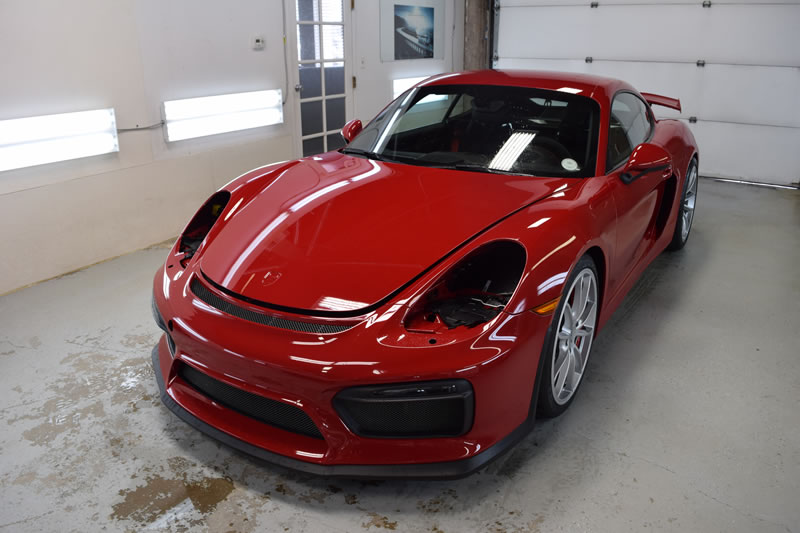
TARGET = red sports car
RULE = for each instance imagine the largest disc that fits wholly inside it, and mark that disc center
(407, 305)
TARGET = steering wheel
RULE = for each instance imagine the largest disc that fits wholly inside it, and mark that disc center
(552, 146)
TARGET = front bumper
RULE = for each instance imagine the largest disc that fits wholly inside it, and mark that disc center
(442, 470)
(308, 371)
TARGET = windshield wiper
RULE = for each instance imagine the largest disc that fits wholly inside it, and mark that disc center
(475, 167)
(366, 153)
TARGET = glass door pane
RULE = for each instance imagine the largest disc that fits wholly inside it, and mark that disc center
(321, 72)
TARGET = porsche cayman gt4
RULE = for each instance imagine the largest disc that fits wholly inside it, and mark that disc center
(407, 305)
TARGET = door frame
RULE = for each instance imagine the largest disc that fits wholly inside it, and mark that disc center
(293, 74)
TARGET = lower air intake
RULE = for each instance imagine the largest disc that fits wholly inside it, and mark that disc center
(272, 412)
(408, 410)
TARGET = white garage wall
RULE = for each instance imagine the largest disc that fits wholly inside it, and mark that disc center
(131, 55)
(746, 98)
(374, 89)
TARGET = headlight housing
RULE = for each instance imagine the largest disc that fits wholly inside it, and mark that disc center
(201, 224)
(472, 292)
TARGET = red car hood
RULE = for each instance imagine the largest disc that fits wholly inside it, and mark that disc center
(340, 233)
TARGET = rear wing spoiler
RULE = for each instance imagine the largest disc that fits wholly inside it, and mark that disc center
(657, 99)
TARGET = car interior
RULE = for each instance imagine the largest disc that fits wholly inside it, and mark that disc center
(472, 126)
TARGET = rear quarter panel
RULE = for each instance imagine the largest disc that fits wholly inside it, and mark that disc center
(677, 139)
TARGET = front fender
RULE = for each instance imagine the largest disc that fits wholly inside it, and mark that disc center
(556, 233)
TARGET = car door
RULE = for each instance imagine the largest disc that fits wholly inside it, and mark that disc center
(630, 125)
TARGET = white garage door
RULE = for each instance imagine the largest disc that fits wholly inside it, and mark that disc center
(734, 65)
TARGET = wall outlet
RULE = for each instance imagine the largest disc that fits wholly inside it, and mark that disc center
(258, 42)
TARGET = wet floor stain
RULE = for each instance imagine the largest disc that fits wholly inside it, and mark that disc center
(140, 340)
(59, 422)
(281, 488)
(159, 495)
(443, 502)
(379, 522)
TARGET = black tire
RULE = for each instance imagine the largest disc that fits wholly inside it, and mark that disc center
(679, 239)
(548, 406)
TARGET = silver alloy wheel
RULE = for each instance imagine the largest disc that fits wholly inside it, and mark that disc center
(689, 199)
(574, 338)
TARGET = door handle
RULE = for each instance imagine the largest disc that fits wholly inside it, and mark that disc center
(628, 178)
(298, 87)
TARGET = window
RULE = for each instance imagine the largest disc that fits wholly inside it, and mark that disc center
(494, 129)
(629, 127)
(428, 111)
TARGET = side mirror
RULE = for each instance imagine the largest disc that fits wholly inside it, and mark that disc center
(645, 159)
(351, 129)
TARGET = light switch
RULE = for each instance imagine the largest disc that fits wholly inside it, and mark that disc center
(258, 42)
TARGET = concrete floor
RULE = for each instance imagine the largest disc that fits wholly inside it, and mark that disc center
(689, 420)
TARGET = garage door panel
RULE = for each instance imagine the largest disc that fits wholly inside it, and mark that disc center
(752, 153)
(748, 94)
(652, 33)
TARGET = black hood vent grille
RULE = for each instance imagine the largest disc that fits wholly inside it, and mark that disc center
(264, 319)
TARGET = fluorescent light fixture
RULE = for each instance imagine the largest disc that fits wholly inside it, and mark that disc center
(209, 115)
(26, 142)
(511, 150)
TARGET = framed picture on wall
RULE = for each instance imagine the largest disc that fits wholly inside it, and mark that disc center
(412, 29)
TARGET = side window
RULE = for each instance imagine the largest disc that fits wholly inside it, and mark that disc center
(628, 128)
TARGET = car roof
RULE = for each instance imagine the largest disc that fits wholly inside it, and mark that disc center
(597, 87)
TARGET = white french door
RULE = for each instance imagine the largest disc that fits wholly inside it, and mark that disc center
(324, 83)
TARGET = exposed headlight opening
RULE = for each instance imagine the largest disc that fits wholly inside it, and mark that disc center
(201, 224)
(473, 292)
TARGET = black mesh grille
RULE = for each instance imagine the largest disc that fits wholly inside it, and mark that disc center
(262, 318)
(399, 411)
(272, 412)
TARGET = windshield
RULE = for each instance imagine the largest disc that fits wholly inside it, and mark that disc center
(486, 128)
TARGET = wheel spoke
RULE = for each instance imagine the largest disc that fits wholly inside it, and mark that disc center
(577, 363)
(588, 313)
(563, 359)
(690, 181)
(581, 298)
(561, 376)
(569, 317)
